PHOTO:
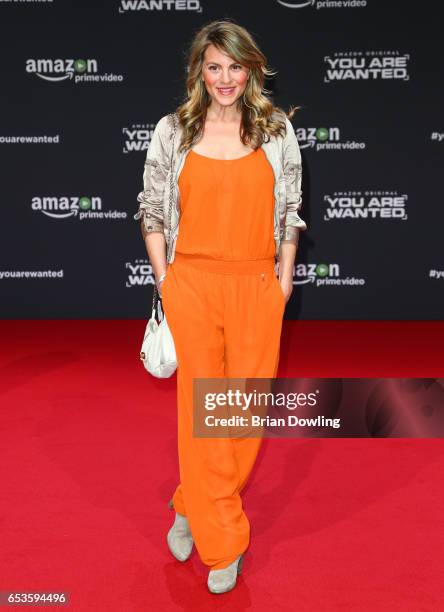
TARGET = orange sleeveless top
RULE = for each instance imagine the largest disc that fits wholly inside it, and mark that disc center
(227, 207)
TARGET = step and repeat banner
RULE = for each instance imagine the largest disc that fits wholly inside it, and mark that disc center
(84, 83)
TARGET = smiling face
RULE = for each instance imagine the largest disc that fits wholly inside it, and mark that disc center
(225, 79)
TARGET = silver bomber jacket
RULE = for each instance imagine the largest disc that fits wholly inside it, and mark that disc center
(283, 153)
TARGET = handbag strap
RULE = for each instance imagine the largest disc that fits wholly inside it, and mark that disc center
(170, 208)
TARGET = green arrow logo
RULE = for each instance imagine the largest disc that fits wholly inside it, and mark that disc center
(80, 65)
(322, 134)
(85, 203)
(322, 270)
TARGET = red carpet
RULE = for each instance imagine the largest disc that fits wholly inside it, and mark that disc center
(89, 462)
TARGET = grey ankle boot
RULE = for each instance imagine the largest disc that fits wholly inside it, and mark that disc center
(179, 538)
(223, 580)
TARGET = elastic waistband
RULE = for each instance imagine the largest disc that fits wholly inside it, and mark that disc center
(224, 266)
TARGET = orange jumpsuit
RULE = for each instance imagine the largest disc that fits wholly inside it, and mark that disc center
(224, 306)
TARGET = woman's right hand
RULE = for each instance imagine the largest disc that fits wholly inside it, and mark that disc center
(159, 284)
(159, 288)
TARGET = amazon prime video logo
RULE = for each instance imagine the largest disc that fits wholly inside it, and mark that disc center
(76, 70)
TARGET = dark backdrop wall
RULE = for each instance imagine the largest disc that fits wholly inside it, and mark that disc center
(83, 84)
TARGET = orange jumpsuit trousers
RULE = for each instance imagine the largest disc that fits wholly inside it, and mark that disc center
(224, 306)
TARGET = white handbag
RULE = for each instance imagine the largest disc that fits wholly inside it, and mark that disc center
(158, 352)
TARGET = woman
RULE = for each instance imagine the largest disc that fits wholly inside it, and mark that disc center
(233, 196)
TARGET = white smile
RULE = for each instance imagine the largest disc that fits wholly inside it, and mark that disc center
(226, 92)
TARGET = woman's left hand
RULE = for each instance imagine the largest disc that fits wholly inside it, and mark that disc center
(286, 286)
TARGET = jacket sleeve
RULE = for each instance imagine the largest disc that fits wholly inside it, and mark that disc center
(292, 163)
(154, 181)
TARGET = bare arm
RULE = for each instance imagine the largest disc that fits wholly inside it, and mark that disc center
(155, 245)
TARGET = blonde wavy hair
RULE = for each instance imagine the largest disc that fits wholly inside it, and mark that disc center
(258, 120)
